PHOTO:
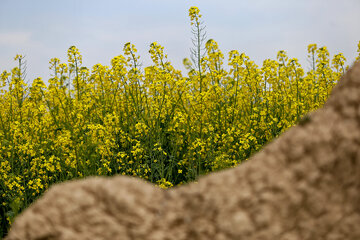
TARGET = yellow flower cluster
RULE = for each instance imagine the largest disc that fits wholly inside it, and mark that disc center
(153, 123)
(194, 14)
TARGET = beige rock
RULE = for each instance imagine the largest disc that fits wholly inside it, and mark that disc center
(304, 185)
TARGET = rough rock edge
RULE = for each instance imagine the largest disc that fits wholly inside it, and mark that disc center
(304, 185)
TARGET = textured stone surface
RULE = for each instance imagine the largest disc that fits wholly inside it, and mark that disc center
(304, 185)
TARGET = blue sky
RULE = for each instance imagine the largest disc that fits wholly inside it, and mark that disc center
(43, 29)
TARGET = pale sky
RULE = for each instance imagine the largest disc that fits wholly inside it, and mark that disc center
(43, 29)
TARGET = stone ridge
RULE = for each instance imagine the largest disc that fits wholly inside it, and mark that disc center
(305, 185)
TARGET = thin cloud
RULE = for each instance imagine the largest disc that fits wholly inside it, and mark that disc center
(15, 39)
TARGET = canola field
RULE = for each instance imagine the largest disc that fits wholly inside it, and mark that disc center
(156, 122)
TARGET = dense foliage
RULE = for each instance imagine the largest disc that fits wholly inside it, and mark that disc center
(153, 123)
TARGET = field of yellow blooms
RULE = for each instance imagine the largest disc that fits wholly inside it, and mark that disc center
(153, 123)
